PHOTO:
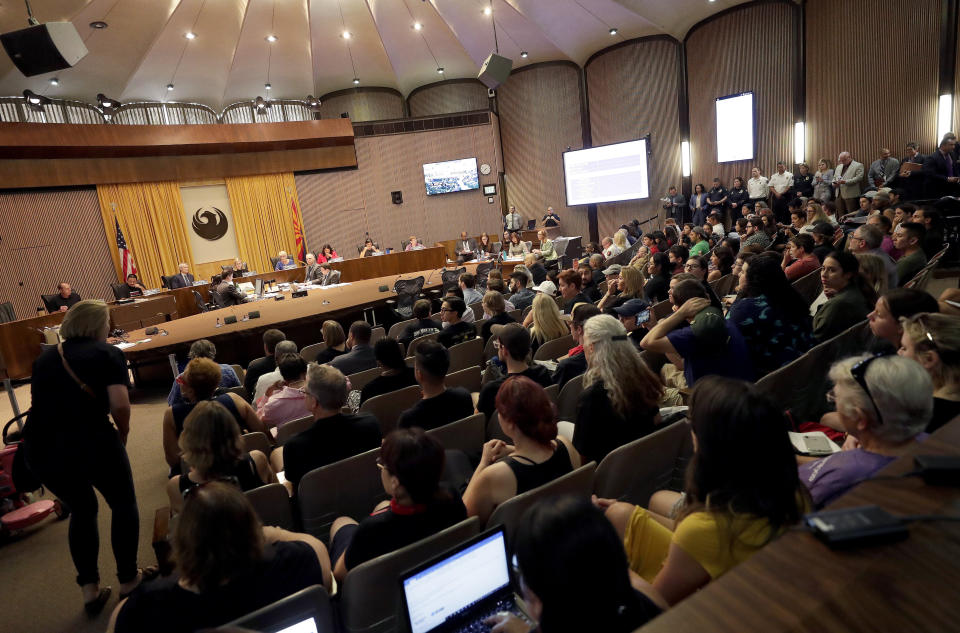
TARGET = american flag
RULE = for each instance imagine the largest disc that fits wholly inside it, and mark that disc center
(126, 257)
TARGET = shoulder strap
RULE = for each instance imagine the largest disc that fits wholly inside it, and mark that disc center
(86, 388)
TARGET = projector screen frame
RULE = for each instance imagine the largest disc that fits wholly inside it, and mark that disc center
(645, 138)
(753, 125)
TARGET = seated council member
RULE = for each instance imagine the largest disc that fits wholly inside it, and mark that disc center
(284, 261)
(414, 244)
(239, 266)
(327, 254)
(327, 275)
(134, 287)
(370, 248)
(64, 298)
(440, 405)
(466, 248)
(312, 272)
(230, 295)
(183, 278)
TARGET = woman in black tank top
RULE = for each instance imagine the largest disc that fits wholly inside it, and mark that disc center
(536, 457)
(212, 447)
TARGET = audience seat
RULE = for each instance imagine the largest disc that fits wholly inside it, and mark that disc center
(241, 391)
(360, 379)
(47, 305)
(291, 428)
(809, 286)
(468, 378)
(397, 328)
(467, 434)
(478, 326)
(272, 503)
(120, 291)
(256, 441)
(201, 305)
(165, 280)
(451, 277)
(350, 487)
(310, 352)
(920, 280)
(489, 351)
(725, 285)
(579, 483)
(636, 470)
(420, 339)
(239, 371)
(516, 315)
(477, 310)
(552, 350)
(466, 354)
(370, 596)
(493, 430)
(662, 310)
(567, 400)
(376, 334)
(553, 392)
(313, 600)
(7, 312)
(525, 312)
(388, 407)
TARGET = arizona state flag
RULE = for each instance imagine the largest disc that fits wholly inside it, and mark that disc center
(298, 234)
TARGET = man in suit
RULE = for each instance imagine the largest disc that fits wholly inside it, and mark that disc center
(361, 356)
(883, 170)
(327, 275)
(313, 270)
(848, 179)
(675, 203)
(513, 221)
(230, 295)
(64, 299)
(182, 279)
(942, 170)
(466, 247)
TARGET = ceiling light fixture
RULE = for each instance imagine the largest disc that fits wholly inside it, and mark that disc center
(613, 31)
(98, 24)
(345, 35)
(440, 70)
(524, 54)
(169, 87)
(107, 102)
(190, 35)
(487, 11)
(271, 38)
(356, 80)
(54, 81)
(417, 26)
(267, 87)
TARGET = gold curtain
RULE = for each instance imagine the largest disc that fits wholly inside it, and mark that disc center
(263, 216)
(152, 220)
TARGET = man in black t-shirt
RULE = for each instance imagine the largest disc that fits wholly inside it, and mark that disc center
(513, 345)
(456, 331)
(439, 405)
(65, 298)
(423, 326)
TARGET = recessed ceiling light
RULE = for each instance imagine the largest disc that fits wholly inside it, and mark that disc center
(190, 35)
(54, 81)
(487, 11)
(356, 80)
(267, 87)
(271, 38)
(440, 70)
(613, 31)
(417, 26)
(524, 54)
(169, 87)
(345, 35)
(98, 24)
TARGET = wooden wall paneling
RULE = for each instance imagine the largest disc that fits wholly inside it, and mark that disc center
(540, 116)
(340, 207)
(455, 95)
(363, 104)
(49, 236)
(871, 93)
(630, 89)
(747, 49)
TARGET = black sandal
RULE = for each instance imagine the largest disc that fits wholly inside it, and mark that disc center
(95, 606)
(146, 574)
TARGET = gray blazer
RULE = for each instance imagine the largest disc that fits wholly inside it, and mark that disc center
(332, 278)
(313, 272)
(471, 243)
(359, 358)
(853, 174)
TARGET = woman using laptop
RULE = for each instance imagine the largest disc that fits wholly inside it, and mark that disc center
(411, 464)
(536, 456)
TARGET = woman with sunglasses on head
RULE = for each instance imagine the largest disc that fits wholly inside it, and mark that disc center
(933, 340)
(742, 491)
(411, 464)
(559, 543)
(228, 565)
(211, 445)
(884, 403)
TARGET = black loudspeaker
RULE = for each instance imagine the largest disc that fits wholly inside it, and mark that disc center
(396, 197)
(495, 70)
(44, 48)
(254, 314)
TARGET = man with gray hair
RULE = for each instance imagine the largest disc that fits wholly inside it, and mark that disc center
(867, 239)
(270, 378)
(183, 279)
(848, 180)
(203, 349)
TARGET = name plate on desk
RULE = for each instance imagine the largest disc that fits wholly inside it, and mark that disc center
(298, 293)
(227, 320)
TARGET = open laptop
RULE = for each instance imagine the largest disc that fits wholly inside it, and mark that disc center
(307, 611)
(459, 589)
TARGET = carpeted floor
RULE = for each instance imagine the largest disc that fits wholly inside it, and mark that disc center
(36, 572)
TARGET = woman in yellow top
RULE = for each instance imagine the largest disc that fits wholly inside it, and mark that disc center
(742, 491)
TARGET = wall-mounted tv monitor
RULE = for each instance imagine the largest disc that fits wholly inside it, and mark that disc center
(607, 173)
(450, 176)
(735, 127)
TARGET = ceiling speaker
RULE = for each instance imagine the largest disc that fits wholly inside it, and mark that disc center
(44, 48)
(495, 70)
(396, 197)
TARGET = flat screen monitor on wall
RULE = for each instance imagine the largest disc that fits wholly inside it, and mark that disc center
(450, 176)
(607, 173)
(735, 127)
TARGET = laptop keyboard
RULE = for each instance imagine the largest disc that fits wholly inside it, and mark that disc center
(479, 626)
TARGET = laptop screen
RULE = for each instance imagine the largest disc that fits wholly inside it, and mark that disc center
(462, 578)
(306, 626)
(258, 287)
